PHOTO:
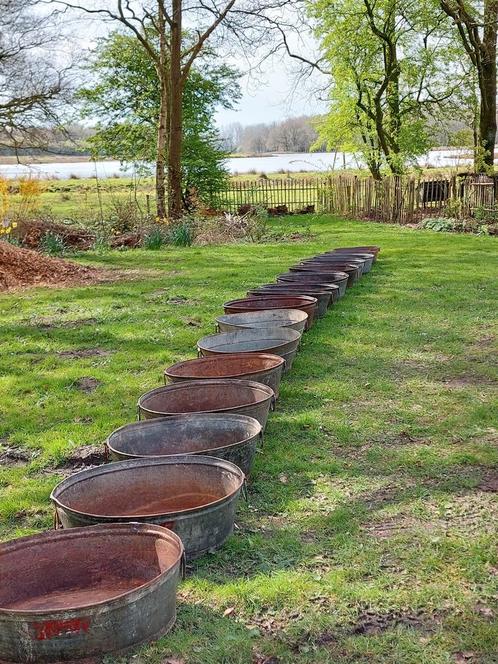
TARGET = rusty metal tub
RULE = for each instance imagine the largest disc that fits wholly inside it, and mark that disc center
(261, 367)
(278, 340)
(303, 302)
(295, 319)
(245, 397)
(194, 496)
(369, 258)
(225, 436)
(364, 261)
(323, 297)
(353, 271)
(83, 592)
(339, 279)
(371, 249)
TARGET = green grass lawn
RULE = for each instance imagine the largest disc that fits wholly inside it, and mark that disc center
(370, 532)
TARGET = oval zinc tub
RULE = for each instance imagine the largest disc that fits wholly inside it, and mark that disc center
(302, 302)
(334, 259)
(195, 496)
(277, 340)
(371, 249)
(323, 297)
(225, 436)
(292, 318)
(68, 594)
(245, 397)
(353, 271)
(263, 368)
(339, 279)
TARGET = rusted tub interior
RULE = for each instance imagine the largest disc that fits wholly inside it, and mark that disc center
(203, 396)
(231, 365)
(67, 570)
(148, 488)
(324, 297)
(197, 433)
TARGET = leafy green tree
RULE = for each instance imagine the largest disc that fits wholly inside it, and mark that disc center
(476, 22)
(388, 64)
(126, 101)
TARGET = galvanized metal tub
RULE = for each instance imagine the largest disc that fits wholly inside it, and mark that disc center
(278, 340)
(194, 496)
(295, 319)
(339, 259)
(263, 368)
(353, 271)
(225, 436)
(296, 287)
(367, 257)
(370, 249)
(339, 279)
(303, 302)
(69, 594)
(324, 297)
(245, 397)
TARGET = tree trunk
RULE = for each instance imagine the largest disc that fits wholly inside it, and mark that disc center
(175, 207)
(487, 85)
(163, 120)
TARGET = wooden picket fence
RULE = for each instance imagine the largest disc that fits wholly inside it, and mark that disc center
(394, 199)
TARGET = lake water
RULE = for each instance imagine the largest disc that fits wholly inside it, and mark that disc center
(317, 161)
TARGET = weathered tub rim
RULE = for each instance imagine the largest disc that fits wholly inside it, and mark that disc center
(184, 416)
(73, 533)
(201, 459)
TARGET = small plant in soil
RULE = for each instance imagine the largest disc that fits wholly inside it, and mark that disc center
(52, 244)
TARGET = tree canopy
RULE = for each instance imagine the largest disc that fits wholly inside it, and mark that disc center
(125, 100)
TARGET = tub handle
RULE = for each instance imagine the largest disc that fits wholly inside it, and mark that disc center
(57, 522)
(261, 439)
(183, 566)
(217, 327)
(273, 403)
(106, 453)
(199, 353)
(139, 414)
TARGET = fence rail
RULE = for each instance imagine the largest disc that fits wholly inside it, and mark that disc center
(394, 199)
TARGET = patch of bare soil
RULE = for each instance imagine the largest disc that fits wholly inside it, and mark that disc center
(82, 458)
(84, 353)
(23, 268)
(50, 323)
(14, 456)
(468, 380)
(370, 622)
(87, 384)
(489, 482)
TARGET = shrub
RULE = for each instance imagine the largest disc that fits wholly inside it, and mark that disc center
(52, 244)
(182, 233)
(155, 238)
(438, 224)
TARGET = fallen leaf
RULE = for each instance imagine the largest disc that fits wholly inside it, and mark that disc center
(229, 611)
(283, 479)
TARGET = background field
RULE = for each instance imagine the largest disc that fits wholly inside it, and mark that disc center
(370, 532)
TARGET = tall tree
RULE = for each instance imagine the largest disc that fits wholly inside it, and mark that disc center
(386, 67)
(125, 97)
(477, 25)
(173, 54)
(33, 85)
